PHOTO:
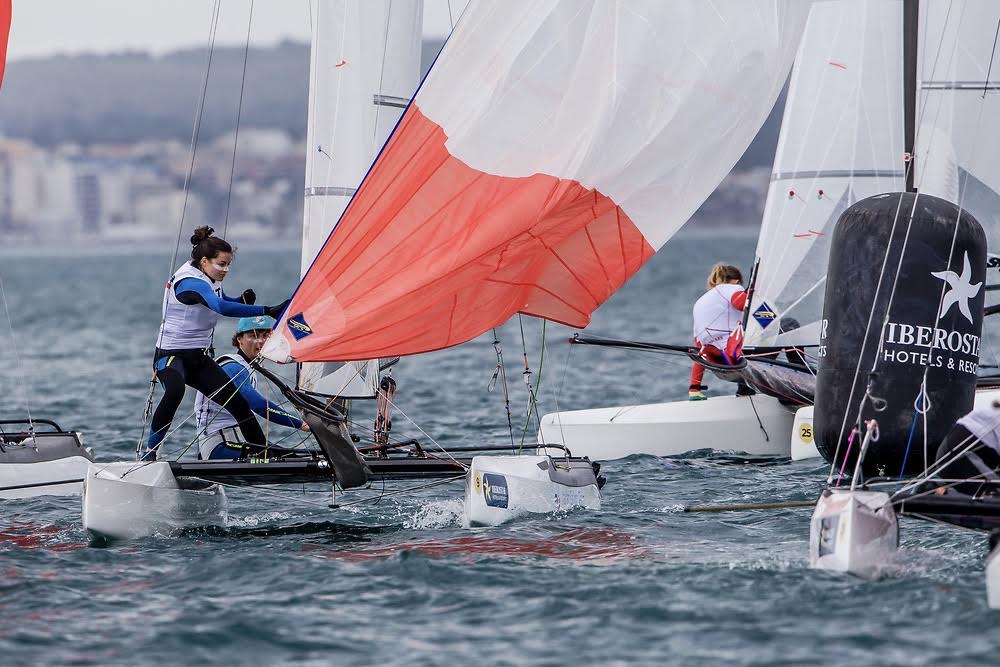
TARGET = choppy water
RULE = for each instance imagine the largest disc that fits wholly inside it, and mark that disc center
(401, 582)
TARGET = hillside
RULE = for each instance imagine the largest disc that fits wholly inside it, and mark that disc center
(129, 97)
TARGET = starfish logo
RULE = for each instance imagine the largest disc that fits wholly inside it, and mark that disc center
(961, 290)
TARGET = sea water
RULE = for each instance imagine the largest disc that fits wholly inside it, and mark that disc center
(397, 580)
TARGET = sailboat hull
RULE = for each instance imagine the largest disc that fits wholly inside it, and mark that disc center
(757, 425)
(43, 464)
(129, 500)
(855, 532)
(803, 441)
(502, 488)
(993, 576)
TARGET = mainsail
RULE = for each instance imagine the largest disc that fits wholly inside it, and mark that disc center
(364, 69)
(841, 141)
(552, 149)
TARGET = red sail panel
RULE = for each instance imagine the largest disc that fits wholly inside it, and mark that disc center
(5, 14)
(432, 253)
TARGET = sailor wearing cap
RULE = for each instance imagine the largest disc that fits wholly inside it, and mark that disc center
(220, 436)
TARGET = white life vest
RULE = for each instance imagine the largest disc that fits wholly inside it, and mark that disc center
(211, 416)
(187, 327)
(714, 315)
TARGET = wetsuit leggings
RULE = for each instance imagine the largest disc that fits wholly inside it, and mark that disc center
(196, 368)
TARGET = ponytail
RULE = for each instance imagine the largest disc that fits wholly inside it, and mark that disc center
(204, 245)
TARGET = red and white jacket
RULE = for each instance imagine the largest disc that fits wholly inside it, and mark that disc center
(717, 313)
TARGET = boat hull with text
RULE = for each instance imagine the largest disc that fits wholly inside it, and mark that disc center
(499, 489)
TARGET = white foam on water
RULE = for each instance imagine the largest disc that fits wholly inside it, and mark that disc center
(437, 514)
(254, 520)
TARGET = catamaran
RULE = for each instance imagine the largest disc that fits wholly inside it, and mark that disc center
(837, 144)
(511, 184)
(841, 140)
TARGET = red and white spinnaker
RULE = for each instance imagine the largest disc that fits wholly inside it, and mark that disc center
(553, 148)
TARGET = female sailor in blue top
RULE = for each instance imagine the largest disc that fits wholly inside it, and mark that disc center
(219, 439)
(192, 303)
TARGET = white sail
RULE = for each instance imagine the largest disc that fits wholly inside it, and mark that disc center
(364, 69)
(554, 146)
(958, 110)
(841, 141)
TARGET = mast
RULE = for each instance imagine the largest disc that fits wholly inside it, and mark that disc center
(911, 9)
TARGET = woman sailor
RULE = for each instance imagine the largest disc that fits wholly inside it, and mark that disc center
(192, 303)
(717, 315)
(219, 438)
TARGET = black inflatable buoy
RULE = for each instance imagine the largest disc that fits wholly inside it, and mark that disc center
(934, 325)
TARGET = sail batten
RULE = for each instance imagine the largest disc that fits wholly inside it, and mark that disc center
(552, 149)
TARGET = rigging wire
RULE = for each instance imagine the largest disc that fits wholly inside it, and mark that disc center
(501, 372)
(532, 391)
(236, 131)
(193, 149)
(557, 392)
(993, 51)
(526, 374)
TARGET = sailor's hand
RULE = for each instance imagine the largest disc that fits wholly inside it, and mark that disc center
(305, 427)
(249, 297)
(275, 311)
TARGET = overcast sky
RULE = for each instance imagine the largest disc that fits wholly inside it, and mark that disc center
(48, 27)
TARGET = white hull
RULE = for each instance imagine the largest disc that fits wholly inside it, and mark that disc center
(61, 477)
(726, 423)
(129, 500)
(854, 532)
(501, 488)
(804, 435)
(993, 578)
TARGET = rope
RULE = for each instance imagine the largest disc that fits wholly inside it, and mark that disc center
(871, 435)
(538, 386)
(557, 393)
(501, 372)
(847, 454)
(532, 400)
(427, 435)
(906, 454)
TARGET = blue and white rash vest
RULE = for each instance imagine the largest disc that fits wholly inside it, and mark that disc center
(189, 326)
(212, 417)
